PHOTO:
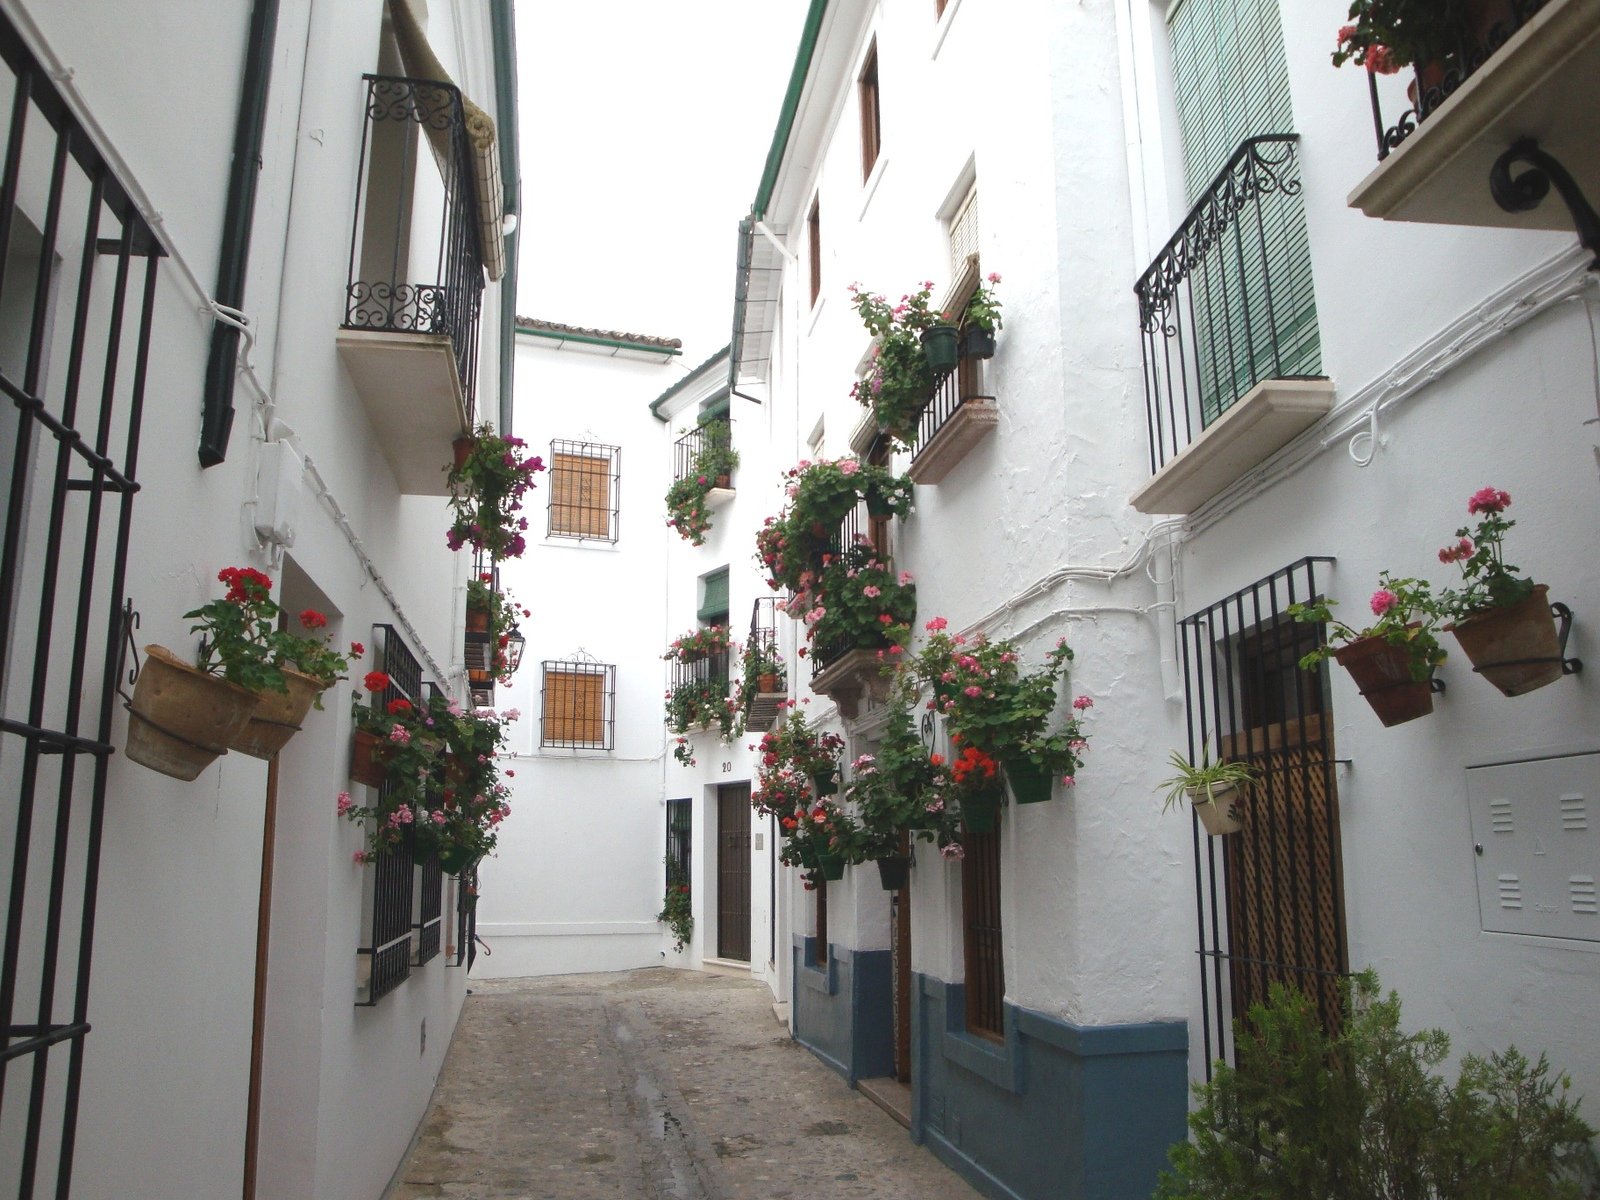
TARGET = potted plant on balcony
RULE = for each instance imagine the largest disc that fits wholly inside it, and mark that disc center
(763, 668)
(699, 644)
(1386, 35)
(182, 717)
(1392, 660)
(1212, 788)
(981, 321)
(700, 705)
(860, 603)
(1503, 621)
(899, 382)
(486, 491)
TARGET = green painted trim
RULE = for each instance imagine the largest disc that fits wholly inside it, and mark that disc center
(503, 31)
(616, 343)
(791, 104)
(655, 405)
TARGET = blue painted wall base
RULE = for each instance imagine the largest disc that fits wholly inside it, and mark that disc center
(1055, 1111)
(842, 1011)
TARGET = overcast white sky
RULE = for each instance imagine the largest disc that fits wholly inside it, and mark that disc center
(644, 129)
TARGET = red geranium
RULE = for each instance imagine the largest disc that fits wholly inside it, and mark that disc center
(375, 681)
(244, 584)
(357, 649)
(312, 619)
(398, 706)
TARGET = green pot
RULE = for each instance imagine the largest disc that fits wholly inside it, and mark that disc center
(454, 859)
(832, 866)
(1030, 784)
(981, 813)
(941, 344)
(827, 783)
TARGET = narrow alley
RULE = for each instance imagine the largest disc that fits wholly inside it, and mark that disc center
(651, 1083)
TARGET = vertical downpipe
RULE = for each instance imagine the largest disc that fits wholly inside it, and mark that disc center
(238, 221)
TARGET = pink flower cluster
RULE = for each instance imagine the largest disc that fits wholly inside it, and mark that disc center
(1489, 500)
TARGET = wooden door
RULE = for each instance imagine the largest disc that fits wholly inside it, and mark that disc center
(733, 872)
(900, 956)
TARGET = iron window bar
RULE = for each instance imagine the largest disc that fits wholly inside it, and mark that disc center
(578, 704)
(849, 533)
(427, 922)
(686, 451)
(1269, 898)
(1434, 83)
(1227, 303)
(390, 247)
(63, 571)
(680, 818)
(585, 479)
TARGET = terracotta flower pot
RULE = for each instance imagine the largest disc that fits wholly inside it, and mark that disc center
(278, 717)
(767, 684)
(181, 719)
(477, 620)
(894, 872)
(1029, 784)
(724, 480)
(461, 448)
(1517, 648)
(1383, 675)
(368, 754)
(1218, 814)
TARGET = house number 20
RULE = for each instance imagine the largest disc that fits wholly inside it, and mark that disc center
(727, 768)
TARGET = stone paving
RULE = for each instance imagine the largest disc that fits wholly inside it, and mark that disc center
(647, 1084)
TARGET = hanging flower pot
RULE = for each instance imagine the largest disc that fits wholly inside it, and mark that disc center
(278, 716)
(454, 859)
(477, 620)
(1382, 672)
(1217, 814)
(977, 342)
(826, 782)
(461, 448)
(981, 812)
(894, 872)
(831, 866)
(368, 755)
(1030, 784)
(182, 719)
(1516, 648)
(767, 685)
(942, 346)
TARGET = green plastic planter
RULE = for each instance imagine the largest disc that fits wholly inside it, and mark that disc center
(941, 345)
(832, 866)
(1030, 784)
(827, 783)
(981, 814)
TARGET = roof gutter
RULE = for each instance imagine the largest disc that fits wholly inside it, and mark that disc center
(613, 343)
(503, 32)
(791, 105)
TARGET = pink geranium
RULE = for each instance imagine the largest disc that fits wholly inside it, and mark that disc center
(1383, 600)
(1489, 500)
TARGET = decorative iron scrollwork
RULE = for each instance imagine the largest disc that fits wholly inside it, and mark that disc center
(1525, 192)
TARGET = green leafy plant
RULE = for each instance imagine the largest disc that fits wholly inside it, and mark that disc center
(240, 632)
(1490, 581)
(1386, 35)
(702, 642)
(1207, 778)
(858, 601)
(700, 704)
(1362, 1113)
(899, 383)
(486, 493)
(760, 658)
(677, 912)
(983, 310)
(688, 506)
(794, 546)
(1407, 618)
(903, 788)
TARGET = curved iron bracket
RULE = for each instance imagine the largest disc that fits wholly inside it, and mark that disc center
(1525, 192)
(129, 650)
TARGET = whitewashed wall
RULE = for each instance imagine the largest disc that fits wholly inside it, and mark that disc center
(175, 948)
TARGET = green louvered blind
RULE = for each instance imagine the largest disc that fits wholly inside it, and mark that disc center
(1231, 83)
(714, 597)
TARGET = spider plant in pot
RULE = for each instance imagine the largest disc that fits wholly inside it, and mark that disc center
(1212, 788)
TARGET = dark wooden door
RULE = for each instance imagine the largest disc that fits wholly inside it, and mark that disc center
(900, 955)
(733, 872)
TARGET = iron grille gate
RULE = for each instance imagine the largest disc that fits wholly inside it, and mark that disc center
(1269, 898)
(75, 307)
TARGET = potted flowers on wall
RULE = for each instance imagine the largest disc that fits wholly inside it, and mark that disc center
(903, 793)
(858, 602)
(982, 320)
(487, 484)
(677, 912)
(910, 342)
(689, 498)
(819, 836)
(1213, 789)
(1392, 660)
(698, 698)
(1503, 621)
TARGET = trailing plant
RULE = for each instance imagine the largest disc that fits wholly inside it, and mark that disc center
(240, 632)
(1362, 1113)
(899, 383)
(983, 310)
(859, 602)
(676, 909)
(688, 507)
(1208, 777)
(701, 703)
(705, 641)
(1407, 618)
(1489, 581)
(486, 493)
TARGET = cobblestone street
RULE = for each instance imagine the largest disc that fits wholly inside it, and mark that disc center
(646, 1084)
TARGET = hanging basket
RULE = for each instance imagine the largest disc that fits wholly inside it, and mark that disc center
(278, 717)
(981, 813)
(831, 866)
(1030, 784)
(977, 342)
(456, 859)
(941, 345)
(1518, 648)
(1218, 814)
(181, 719)
(1382, 673)
(826, 782)
(461, 448)
(368, 755)
(894, 872)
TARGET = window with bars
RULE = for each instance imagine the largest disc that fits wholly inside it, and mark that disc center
(585, 480)
(871, 117)
(985, 986)
(814, 245)
(579, 705)
(680, 818)
(1271, 895)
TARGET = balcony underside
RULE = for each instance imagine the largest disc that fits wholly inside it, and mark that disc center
(974, 420)
(412, 394)
(855, 674)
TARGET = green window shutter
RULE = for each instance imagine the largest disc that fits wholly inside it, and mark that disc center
(1231, 83)
(714, 597)
(717, 406)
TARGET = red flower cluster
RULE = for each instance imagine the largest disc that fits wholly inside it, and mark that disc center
(1489, 500)
(398, 706)
(357, 649)
(245, 584)
(312, 619)
(375, 681)
(973, 762)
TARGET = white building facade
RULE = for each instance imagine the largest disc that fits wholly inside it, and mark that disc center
(206, 367)
(1159, 494)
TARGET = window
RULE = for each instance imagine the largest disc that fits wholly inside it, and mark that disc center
(584, 479)
(871, 119)
(980, 920)
(680, 818)
(579, 705)
(713, 608)
(938, 7)
(814, 237)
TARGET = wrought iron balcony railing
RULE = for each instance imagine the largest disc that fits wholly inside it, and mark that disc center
(1432, 83)
(416, 265)
(951, 389)
(1228, 302)
(711, 669)
(686, 451)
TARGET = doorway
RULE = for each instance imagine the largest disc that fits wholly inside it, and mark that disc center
(733, 872)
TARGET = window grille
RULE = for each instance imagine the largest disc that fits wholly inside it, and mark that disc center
(579, 704)
(1270, 906)
(427, 921)
(680, 815)
(871, 117)
(964, 235)
(819, 952)
(981, 935)
(585, 479)
(388, 954)
(74, 255)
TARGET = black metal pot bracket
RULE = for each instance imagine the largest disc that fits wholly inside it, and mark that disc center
(1525, 192)
(129, 650)
(1569, 666)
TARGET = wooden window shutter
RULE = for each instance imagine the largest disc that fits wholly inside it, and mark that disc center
(871, 116)
(580, 495)
(814, 237)
(985, 985)
(574, 707)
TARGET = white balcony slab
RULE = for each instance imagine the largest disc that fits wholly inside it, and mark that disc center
(973, 421)
(409, 387)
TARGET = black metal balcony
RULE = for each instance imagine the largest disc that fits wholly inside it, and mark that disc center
(711, 669)
(686, 451)
(1228, 302)
(416, 265)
